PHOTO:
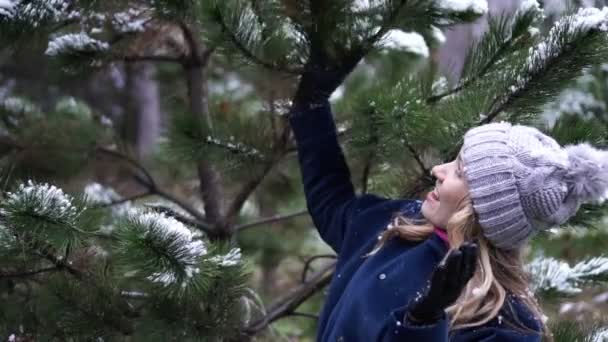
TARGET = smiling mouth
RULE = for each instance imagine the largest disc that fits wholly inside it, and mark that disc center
(433, 196)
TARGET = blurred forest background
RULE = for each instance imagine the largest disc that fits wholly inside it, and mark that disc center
(172, 122)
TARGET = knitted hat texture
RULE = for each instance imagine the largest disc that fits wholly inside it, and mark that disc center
(522, 181)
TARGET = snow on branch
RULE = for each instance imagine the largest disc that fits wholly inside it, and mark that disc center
(7, 8)
(475, 6)
(235, 147)
(232, 258)
(36, 13)
(129, 21)
(177, 248)
(101, 195)
(601, 335)
(73, 43)
(583, 21)
(42, 200)
(405, 42)
(564, 32)
(18, 105)
(581, 100)
(552, 275)
(364, 5)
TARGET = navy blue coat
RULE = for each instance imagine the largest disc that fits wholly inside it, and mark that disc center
(368, 297)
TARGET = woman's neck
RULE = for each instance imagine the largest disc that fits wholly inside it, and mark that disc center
(442, 234)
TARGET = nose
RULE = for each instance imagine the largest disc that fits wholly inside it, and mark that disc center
(434, 172)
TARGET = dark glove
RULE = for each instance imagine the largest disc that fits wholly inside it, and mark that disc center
(323, 74)
(448, 280)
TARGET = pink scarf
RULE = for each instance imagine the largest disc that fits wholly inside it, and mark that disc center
(442, 234)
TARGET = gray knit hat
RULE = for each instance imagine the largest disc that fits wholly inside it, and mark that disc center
(521, 180)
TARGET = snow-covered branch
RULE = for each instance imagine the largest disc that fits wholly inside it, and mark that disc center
(550, 275)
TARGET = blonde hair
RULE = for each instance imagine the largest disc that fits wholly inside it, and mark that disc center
(498, 271)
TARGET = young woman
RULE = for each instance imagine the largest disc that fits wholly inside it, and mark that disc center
(450, 267)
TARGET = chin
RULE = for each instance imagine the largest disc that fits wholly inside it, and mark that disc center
(424, 210)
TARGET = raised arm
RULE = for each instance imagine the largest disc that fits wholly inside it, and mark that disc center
(329, 192)
(330, 196)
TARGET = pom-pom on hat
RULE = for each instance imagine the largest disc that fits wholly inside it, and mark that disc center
(521, 180)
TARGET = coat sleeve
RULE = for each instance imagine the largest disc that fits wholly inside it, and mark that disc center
(396, 329)
(329, 192)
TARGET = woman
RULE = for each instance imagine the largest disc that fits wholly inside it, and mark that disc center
(449, 268)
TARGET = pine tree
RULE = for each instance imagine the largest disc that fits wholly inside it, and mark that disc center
(97, 265)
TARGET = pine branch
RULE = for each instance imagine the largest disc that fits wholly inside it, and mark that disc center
(423, 168)
(126, 199)
(503, 35)
(244, 193)
(365, 177)
(279, 151)
(552, 276)
(59, 263)
(561, 46)
(238, 148)
(290, 302)
(269, 220)
(28, 273)
(149, 58)
(561, 56)
(148, 177)
(248, 53)
(195, 72)
(185, 220)
(115, 323)
(303, 314)
(149, 182)
(310, 260)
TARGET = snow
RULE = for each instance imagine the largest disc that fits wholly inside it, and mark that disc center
(99, 194)
(178, 236)
(363, 5)
(593, 267)
(74, 107)
(549, 274)
(438, 34)
(533, 31)
(338, 94)
(7, 7)
(582, 21)
(17, 105)
(231, 259)
(170, 228)
(590, 18)
(406, 41)
(238, 147)
(129, 21)
(44, 11)
(579, 101)
(475, 6)
(600, 336)
(43, 200)
(75, 42)
(440, 85)
(528, 5)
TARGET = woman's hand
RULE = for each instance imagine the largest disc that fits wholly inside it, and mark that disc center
(448, 280)
(323, 74)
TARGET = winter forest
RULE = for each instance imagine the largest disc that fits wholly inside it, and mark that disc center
(150, 186)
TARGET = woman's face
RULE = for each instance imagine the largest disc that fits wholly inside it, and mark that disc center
(450, 189)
